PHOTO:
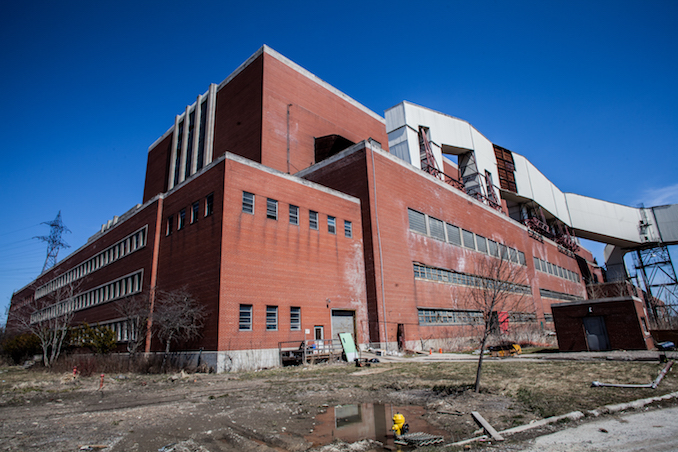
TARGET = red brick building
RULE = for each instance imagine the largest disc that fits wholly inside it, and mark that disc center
(275, 201)
(618, 323)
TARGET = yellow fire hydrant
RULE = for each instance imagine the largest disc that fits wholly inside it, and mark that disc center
(398, 424)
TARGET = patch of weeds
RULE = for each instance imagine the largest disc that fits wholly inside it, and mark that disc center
(535, 402)
(445, 390)
(28, 389)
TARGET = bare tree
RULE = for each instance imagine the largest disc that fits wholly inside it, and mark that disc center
(177, 317)
(135, 310)
(499, 286)
(49, 318)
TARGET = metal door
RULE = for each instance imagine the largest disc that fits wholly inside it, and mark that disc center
(596, 333)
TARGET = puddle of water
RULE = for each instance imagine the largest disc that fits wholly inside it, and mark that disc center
(355, 422)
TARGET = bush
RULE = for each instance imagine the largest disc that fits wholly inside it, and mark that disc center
(99, 339)
(21, 347)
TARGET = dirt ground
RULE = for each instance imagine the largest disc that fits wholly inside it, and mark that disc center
(289, 409)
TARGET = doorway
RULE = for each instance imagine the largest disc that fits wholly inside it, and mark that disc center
(401, 337)
(343, 321)
(596, 333)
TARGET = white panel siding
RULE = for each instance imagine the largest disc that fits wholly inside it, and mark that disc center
(603, 218)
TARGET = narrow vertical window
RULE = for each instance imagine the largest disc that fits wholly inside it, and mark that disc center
(170, 224)
(348, 229)
(189, 149)
(271, 318)
(313, 219)
(331, 225)
(295, 318)
(201, 136)
(195, 208)
(182, 219)
(245, 317)
(209, 204)
(271, 209)
(177, 161)
(248, 202)
(294, 215)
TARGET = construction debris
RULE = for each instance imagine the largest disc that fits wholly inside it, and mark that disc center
(486, 426)
(417, 439)
(653, 385)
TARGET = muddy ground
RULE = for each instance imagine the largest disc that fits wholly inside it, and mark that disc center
(292, 409)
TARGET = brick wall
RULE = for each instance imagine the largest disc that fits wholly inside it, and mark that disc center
(623, 321)
(268, 262)
(314, 110)
(399, 186)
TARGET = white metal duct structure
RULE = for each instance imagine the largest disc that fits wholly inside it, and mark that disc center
(531, 198)
(590, 218)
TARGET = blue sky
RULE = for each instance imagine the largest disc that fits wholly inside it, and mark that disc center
(585, 90)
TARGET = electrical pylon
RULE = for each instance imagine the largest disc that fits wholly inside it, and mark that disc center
(54, 240)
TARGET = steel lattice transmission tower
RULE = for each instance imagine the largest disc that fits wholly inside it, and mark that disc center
(54, 240)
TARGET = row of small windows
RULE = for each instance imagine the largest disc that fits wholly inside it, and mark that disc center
(193, 211)
(127, 285)
(558, 295)
(449, 317)
(522, 317)
(124, 330)
(553, 269)
(422, 271)
(120, 249)
(446, 232)
(272, 213)
(467, 317)
(245, 318)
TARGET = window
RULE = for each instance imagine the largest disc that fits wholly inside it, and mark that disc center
(493, 248)
(468, 239)
(436, 228)
(294, 215)
(182, 219)
(453, 234)
(521, 258)
(482, 244)
(245, 319)
(295, 318)
(170, 224)
(537, 263)
(417, 221)
(248, 202)
(331, 225)
(209, 204)
(348, 229)
(271, 209)
(195, 208)
(313, 219)
(271, 318)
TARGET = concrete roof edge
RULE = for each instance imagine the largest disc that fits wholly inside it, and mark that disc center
(305, 72)
(291, 177)
(594, 301)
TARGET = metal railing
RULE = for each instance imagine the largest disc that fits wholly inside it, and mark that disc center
(309, 351)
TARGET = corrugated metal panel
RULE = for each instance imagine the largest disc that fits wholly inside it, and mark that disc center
(453, 235)
(436, 228)
(468, 239)
(417, 221)
(667, 222)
